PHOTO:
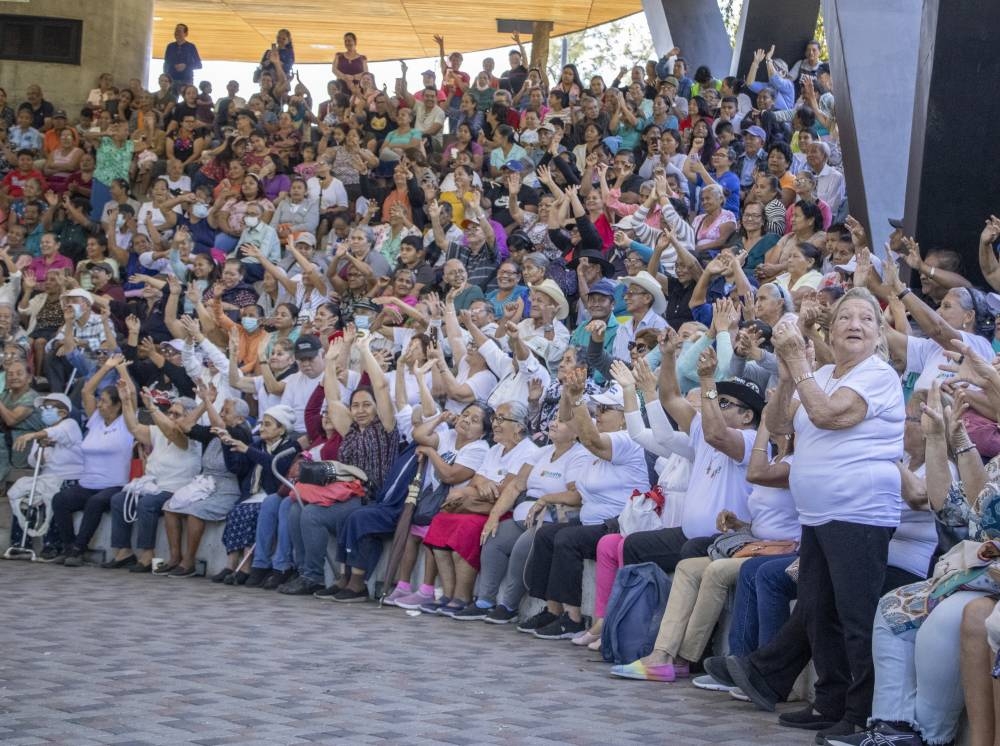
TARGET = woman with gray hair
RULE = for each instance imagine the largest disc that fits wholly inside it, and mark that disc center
(454, 533)
(212, 494)
(805, 191)
(714, 226)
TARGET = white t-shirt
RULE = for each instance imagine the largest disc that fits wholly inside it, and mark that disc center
(172, 467)
(497, 464)
(548, 477)
(717, 483)
(925, 356)
(773, 514)
(335, 195)
(481, 383)
(471, 455)
(916, 538)
(851, 475)
(65, 458)
(298, 388)
(107, 453)
(605, 486)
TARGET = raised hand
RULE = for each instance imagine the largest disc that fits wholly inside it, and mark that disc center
(621, 373)
(535, 389)
(991, 231)
(707, 363)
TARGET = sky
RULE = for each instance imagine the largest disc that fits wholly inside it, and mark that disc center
(315, 77)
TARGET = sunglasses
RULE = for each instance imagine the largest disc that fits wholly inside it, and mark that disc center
(727, 403)
(639, 347)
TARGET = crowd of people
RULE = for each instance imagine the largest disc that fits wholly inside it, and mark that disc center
(539, 303)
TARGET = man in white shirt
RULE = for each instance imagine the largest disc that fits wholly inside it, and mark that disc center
(645, 301)
(300, 386)
(429, 118)
(830, 185)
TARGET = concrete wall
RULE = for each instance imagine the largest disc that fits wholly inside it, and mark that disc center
(116, 39)
(787, 25)
(874, 49)
(693, 25)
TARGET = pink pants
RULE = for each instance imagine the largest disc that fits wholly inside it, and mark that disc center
(609, 559)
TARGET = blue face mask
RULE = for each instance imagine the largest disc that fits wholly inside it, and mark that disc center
(199, 210)
(250, 323)
(50, 416)
(120, 222)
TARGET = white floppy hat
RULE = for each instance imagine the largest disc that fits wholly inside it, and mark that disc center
(551, 289)
(613, 396)
(60, 399)
(648, 283)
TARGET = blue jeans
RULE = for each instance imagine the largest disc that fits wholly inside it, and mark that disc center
(225, 242)
(274, 543)
(100, 195)
(148, 513)
(316, 524)
(763, 593)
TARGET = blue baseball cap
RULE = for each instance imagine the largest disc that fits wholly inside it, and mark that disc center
(603, 287)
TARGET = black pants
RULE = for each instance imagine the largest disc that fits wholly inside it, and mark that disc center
(93, 503)
(555, 566)
(842, 576)
(666, 547)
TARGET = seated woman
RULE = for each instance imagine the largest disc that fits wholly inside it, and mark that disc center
(673, 466)
(617, 466)
(507, 543)
(59, 441)
(174, 461)
(454, 533)
(454, 454)
(701, 584)
(107, 458)
(251, 460)
(370, 443)
(214, 492)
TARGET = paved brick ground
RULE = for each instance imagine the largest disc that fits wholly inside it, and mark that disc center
(90, 656)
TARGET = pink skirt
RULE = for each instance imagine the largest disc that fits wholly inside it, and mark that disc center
(459, 532)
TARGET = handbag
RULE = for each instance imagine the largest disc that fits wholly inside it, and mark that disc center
(197, 490)
(642, 512)
(728, 544)
(328, 494)
(327, 472)
(429, 504)
(767, 548)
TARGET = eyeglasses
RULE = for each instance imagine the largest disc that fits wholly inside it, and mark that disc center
(500, 418)
(632, 260)
(633, 293)
(727, 403)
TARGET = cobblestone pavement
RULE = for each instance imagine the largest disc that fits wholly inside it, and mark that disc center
(90, 656)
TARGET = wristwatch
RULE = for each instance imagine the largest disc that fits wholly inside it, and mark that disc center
(548, 328)
(710, 394)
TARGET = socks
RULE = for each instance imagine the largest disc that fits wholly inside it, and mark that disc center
(403, 587)
(427, 590)
(483, 604)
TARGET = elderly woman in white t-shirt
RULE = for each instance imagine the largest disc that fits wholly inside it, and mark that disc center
(616, 465)
(848, 420)
(507, 543)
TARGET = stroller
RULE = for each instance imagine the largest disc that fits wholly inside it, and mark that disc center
(33, 519)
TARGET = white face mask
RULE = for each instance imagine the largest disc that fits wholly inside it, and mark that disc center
(251, 221)
(199, 210)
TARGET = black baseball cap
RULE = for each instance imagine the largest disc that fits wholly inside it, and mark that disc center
(308, 346)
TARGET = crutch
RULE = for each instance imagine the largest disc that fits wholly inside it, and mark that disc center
(24, 551)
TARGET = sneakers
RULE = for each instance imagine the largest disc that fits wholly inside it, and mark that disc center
(347, 596)
(737, 694)
(451, 608)
(586, 638)
(414, 600)
(257, 577)
(327, 594)
(393, 597)
(715, 666)
(709, 683)
(470, 613)
(432, 606)
(562, 628)
(878, 734)
(49, 554)
(500, 614)
(276, 578)
(751, 683)
(74, 557)
(642, 672)
(807, 718)
(299, 586)
(539, 620)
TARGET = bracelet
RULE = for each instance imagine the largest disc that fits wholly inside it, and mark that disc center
(800, 379)
(762, 450)
(968, 448)
(931, 273)
(903, 293)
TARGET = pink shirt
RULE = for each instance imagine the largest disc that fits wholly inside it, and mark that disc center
(41, 267)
